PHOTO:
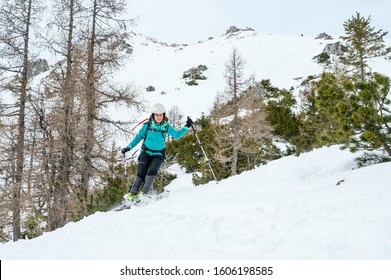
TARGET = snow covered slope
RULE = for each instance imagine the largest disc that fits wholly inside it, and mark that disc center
(285, 60)
(280, 58)
(291, 208)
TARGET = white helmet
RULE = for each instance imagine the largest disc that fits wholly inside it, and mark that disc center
(158, 109)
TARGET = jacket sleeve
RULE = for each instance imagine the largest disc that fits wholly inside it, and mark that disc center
(177, 133)
(140, 136)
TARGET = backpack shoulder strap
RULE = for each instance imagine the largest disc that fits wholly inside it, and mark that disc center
(147, 130)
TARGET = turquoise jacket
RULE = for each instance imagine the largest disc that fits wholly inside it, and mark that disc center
(156, 136)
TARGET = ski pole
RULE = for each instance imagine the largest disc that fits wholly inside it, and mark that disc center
(125, 171)
(202, 148)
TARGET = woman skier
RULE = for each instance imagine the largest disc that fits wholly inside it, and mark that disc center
(153, 133)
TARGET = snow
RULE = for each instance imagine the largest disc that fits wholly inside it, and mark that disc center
(291, 208)
(284, 59)
(280, 58)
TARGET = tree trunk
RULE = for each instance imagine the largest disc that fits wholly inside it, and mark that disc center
(387, 148)
(21, 136)
(235, 121)
(91, 112)
(66, 162)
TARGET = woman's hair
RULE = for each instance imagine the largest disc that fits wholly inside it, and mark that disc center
(165, 118)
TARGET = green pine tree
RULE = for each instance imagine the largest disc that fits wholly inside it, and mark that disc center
(363, 43)
(353, 108)
(368, 93)
(370, 114)
(279, 107)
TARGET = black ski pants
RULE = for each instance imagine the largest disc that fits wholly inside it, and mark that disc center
(148, 165)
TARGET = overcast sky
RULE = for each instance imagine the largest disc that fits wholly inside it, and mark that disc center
(184, 21)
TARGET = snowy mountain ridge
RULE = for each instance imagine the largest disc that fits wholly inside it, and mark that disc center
(285, 60)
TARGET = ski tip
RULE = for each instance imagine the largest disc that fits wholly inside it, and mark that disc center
(123, 207)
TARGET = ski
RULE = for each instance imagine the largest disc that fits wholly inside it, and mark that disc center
(123, 207)
(127, 205)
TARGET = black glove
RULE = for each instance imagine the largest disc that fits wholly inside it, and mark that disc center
(189, 122)
(124, 150)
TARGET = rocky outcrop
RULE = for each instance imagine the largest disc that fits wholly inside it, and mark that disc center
(333, 48)
(324, 36)
(193, 74)
(234, 29)
(37, 67)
